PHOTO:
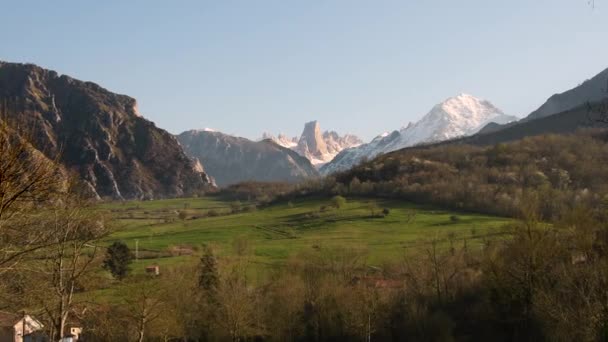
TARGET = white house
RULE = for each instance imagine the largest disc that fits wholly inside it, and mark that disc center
(12, 327)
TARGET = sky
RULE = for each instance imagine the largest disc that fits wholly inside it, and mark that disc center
(357, 66)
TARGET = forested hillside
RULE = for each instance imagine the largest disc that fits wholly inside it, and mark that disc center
(562, 170)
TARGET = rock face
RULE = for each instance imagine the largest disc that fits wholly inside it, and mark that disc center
(230, 159)
(99, 135)
(457, 116)
(336, 143)
(317, 147)
(311, 144)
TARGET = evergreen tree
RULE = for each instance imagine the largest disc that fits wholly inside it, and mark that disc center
(117, 260)
(208, 278)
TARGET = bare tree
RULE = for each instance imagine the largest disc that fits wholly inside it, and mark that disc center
(236, 305)
(28, 180)
(145, 303)
(61, 267)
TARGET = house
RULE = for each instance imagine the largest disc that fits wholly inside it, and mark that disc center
(12, 327)
(153, 270)
(71, 333)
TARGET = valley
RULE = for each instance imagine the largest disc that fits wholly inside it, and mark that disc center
(276, 232)
(313, 171)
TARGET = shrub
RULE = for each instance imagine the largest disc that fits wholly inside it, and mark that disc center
(235, 206)
(338, 201)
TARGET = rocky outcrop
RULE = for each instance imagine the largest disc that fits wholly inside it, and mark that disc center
(98, 134)
(336, 143)
(232, 159)
(311, 144)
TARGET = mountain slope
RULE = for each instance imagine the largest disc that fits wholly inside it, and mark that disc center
(98, 134)
(457, 116)
(585, 106)
(232, 159)
(592, 90)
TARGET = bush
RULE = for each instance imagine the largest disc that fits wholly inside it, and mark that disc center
(250, 208)
(338, 202)
(386, 211)
(235, 206)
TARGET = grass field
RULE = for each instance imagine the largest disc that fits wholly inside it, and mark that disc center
(169, 230)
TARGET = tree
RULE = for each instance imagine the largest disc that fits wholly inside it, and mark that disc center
(338, 202)
(374, 209)
(117, 260)
(237, 310)
(60, 268)
(146, 304)
(208, 278)
(28, 180)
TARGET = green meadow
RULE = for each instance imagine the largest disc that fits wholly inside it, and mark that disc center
(171, 231)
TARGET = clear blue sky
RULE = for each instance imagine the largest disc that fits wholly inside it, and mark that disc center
(364, 67)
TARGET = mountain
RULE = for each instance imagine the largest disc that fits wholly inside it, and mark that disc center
(232, 159)
(282, 140)
(592, 90)
(311, 144)
(457, 116)
(336, 143)
(585, 106)
(98, 134)
(562, 123)
(318, 147)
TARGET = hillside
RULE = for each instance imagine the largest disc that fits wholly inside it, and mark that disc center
(97, 134)
(572, 105)
(230, 159)
(560, 170)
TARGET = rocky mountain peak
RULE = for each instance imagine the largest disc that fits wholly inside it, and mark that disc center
(317, 147)
(311, 144)
(98, 134)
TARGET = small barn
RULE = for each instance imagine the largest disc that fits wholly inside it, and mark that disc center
(153, 270)
(13, 326)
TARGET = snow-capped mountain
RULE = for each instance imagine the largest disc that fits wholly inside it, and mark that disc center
(318, 147)
(455, 117)
(282, 140)
(336, 143)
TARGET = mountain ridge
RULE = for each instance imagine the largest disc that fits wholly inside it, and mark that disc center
(98, 134)
(229, 159)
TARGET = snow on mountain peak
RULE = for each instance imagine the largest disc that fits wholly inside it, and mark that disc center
(456, 116)
(206, 129)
